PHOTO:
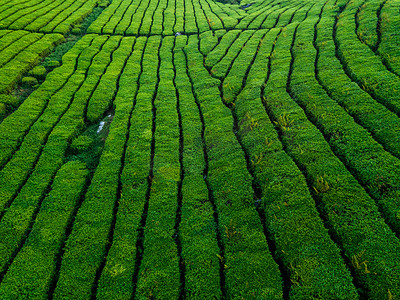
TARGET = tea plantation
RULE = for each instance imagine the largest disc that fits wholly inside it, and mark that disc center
(198, 149)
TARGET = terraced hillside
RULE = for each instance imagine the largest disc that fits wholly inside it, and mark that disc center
(195, 149)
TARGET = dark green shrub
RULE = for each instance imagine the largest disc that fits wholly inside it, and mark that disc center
(29, 81)
(38, 72)
(82, 143)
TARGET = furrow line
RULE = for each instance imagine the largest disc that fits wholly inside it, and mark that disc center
(221, 69)
(14, 10)
(41, 252)
(111, 15)
(376, 39)
(319, 206)
(14, 245)
(35, 38)
(44, 93)
(201, 27)
(142, 225)
(234, 197)
(357, 20)
(124, 24)
(10, 37)
(12, 45)
(369, 80)
(31, 23)
(129, 109)
(60, 254)
(20, 21)
(379, 29)
(35, 141)
(110, 236)
(147, 32)
(209, 188)
(211, 11)
(371, 115)
(248, 19)
(84, 251)
(211, 61)
(55, 24)
(369, 222)
(178, 218)
(8, 3)
(142, 17)
(123, 15)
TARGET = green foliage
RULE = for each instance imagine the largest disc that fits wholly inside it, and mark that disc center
(82, 143)
(56, 127)
(230, 183)
(367, 21)
(29, 81)
(39, 72)
(225, 126)
(220, 69)
(376, 80)
(208, 41)
(160, 264)
(233, 82)
(291, 217)
(354, 223)
(102, 193)
(388, 48)
(3, 110)
(219, 51)
(372, 115)
(165, 17)
(30, 148)
(104, 94)
(35, 265)
(52, 64)
(9, 100)
(49, 17)
(62, 119)
(197, 230)
(22, 55)
(120, 264)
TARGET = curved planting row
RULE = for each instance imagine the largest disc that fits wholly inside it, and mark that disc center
(194, 149)
(346, 138)
(277, 14)
(269, 164)
(387, 163)
(220, 56)
(162, 17)
(388, 48)
(250, 270)
(46, 143)
(159, 269)
(377, 80)
(44, 16)
(375, 117)
(133, 116)
(94, 221)
(367, 26)
(20, 51)
(200, 240)
(15, 127)
(40, 251)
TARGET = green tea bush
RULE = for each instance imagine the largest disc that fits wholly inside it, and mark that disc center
(29, 81)
(39, 72)
(40, 251)
(241, 231)
(82, 143)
